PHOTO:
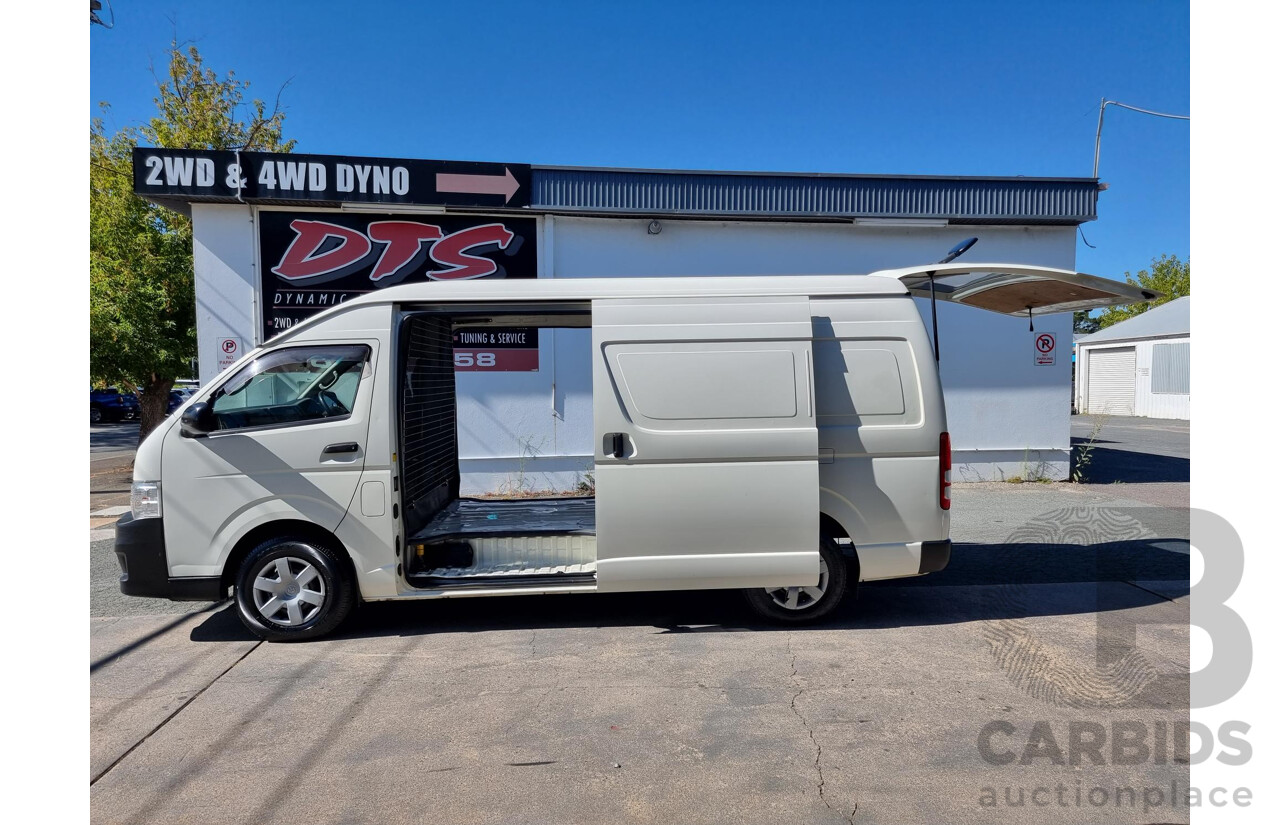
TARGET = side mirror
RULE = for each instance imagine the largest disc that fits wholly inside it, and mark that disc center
(197, 420)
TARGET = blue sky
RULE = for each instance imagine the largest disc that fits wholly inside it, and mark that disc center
(979, 88)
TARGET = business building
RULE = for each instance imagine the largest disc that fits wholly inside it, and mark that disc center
(280, 237)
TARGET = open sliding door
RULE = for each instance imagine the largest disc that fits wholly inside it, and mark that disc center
(706, 443)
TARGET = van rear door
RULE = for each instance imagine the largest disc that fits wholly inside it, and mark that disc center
(706, 443)
(1018, 290)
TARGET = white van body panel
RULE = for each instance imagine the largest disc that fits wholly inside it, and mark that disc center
(717, 485)
(880, 416)
(894, 560)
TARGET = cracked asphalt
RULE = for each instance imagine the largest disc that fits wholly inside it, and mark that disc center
(1065, 609)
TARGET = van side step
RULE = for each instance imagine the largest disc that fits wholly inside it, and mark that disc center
(427, 582)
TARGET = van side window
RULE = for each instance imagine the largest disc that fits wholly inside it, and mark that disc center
(293, 385)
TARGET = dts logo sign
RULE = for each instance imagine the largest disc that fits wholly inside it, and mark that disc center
(323, 251)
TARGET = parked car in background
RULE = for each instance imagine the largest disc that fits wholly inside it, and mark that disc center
(106, 405)
(178, 396)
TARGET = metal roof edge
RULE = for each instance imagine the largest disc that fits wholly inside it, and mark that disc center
(783, 196)
(838, 175)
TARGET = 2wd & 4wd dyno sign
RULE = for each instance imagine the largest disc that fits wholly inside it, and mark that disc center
(313, 260)
(258, 177)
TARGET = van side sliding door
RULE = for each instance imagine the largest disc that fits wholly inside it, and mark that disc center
(706, 443)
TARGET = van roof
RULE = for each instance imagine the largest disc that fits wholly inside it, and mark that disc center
(585, 289)
(560, 290)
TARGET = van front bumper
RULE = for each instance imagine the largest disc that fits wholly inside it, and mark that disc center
(144, 567)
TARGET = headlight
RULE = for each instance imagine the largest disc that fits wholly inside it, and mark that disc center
(144, 499)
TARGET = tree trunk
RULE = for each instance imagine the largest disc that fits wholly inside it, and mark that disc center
(153, 403)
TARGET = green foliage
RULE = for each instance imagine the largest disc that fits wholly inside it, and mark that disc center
(1082, 323)
(142, 330)
(1082, 454)
(1168, 275)
(141, 295)
(196, 110)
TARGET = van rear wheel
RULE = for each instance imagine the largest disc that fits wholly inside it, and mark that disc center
(799, 605)
(290, 589)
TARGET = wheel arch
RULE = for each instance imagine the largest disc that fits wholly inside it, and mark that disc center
(831, 528)
(278, 528)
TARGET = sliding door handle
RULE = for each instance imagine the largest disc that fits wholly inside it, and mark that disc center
(615, 445)
(345, 447)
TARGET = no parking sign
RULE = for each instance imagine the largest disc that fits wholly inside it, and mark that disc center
(1046, 349)
(229, 351)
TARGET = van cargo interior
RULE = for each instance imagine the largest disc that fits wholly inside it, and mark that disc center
(455, 542)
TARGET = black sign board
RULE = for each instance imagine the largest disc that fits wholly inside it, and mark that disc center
(314, 260)
(265, 177)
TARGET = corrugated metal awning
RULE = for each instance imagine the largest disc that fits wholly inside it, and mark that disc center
(959, 200)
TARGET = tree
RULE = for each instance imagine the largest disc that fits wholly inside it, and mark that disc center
(1082, 323)
(1168, 275)
(142, 330)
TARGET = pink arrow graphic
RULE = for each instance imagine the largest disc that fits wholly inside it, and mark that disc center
(505, 184)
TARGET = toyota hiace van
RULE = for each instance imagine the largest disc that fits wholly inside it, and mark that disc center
(785, 436)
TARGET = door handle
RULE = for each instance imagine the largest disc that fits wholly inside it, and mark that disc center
(615, 444)
(345, 447)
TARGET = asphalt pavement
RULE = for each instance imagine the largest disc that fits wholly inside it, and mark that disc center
(112, 440)
(1064, 608)
(111, 451)
(1132, 450)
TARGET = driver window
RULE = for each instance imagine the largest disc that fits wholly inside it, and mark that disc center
(291, 385)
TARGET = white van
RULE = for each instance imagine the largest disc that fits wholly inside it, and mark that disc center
(782, 435)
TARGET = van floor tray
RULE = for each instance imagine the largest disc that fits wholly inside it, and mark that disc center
(472, 517)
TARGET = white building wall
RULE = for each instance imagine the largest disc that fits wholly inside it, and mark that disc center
(1146, 403)
(225, 257)
(1154, 404)
(533, 431)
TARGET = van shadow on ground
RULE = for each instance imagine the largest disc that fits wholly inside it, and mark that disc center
(1107, 465)
(982, 582)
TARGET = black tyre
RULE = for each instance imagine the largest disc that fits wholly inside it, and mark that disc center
(290, 589)
(801, 605)
(95, 414)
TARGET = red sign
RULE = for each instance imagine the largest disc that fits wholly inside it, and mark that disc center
(499, 360)
(496, 349)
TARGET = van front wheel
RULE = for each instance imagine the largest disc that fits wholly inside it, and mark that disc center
(290, 589)
(799, 605)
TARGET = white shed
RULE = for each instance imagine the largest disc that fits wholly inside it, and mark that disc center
(1141, 366)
